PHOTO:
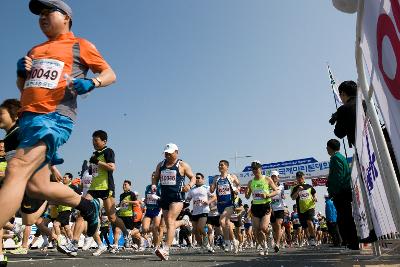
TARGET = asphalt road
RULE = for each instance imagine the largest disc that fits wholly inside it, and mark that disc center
(319, 256)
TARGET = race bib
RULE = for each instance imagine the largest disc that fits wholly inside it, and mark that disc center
(10, 155)
(304, 195)
(124, 205)
(296, 221)
(198, 202)
(224, 189)
(45, 73)
(258, 194)
(150, 200)
(168, 177)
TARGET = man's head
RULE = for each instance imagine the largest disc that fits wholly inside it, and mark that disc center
(275, 176)
(55, 16)
(347, 89)
(99, 139)
(67, 178)
(223, 165)
(246, 206)
(171, 152)
(256, 167)
(126, 186)
(9, 113)
(300, 177)
(332, 146)
(199, 178)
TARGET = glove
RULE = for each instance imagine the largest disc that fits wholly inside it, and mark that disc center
(83, 86)
(21, 71)
(94, 160)
(333, 119)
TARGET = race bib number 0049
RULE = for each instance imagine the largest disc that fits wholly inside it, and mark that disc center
(45, 73)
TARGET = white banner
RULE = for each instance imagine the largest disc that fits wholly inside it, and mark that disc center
(381, 215)
(359, 209)
(381, 51)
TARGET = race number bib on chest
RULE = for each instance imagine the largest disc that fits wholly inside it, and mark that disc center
(258, 194)
(224, 189)
(198, 202)
(150, 199)
(304, 195)
(168, 177)
(45, 73)
(95, 170)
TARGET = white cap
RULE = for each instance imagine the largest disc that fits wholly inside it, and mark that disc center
(170, 148)
(326, 195)
(275, 173)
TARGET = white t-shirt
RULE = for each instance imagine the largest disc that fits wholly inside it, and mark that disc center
(86, 182)
(277, 201)
(199, 195)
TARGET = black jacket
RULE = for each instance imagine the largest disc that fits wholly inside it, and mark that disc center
(346, 121)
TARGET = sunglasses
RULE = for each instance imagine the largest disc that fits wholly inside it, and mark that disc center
(198, 177)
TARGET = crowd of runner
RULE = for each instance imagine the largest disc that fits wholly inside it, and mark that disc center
(171, 212)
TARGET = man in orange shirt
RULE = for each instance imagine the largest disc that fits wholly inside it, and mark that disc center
(49, 101)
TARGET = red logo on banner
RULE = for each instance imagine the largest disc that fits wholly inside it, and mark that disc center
(385, 27)
(319, 181)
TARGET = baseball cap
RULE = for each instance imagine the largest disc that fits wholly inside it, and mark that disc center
(299, 174)
(170, 148)
(256, 164)
(276, 173)
(326, 195)
(36, 6)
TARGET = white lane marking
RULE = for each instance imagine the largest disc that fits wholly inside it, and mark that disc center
(52, 259)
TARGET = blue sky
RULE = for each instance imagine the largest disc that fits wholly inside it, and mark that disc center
(215, 77)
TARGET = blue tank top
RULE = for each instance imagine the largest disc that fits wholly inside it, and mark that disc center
(171, 182)
(152, 203)
(224, 191)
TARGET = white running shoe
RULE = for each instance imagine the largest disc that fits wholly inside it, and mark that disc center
(102, 248)
(87, 243)
(227, 247)
(312, 242)
(114, 249)
(162, 254)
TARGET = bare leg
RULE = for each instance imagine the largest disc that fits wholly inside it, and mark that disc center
(170, 220)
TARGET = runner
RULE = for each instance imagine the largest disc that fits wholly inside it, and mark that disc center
(153, 212)
(298, 233)
(262, 189)
(102, 165)
(48, 111)
(226, 187)
(237, 221)
(248, 227)
(125, 212)
(3, 165)
(171, 174)
(213, 225)
(202, 197)
(304, 194)
(278, 208)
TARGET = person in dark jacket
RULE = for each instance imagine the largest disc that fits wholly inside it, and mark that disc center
(339, 188)
(345, 116)
(331, 221)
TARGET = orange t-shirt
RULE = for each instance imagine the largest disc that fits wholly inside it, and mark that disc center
(45, 89)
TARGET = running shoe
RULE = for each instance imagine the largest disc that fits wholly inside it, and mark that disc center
(3, 261)
(235, 246)
(68, 248)
(87, 244)
(211, 249)
(276, 249)
(128, 241)
(114, 249)
(19, 251)
(100, 250)
(312, 242)
(227, 247)
(162, 254)
(92, 217)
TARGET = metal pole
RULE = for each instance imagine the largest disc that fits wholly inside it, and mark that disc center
(388, 174)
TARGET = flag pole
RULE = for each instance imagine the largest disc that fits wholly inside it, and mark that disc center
(333, 82)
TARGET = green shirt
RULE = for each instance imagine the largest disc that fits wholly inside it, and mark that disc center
(259, 187)
(339, 179)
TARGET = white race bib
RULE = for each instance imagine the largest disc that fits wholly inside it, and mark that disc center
(45, 73)
(304, 194)
(168, 177)
(95, 170)
(258, 194)
(150, 200)
(224, 189)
